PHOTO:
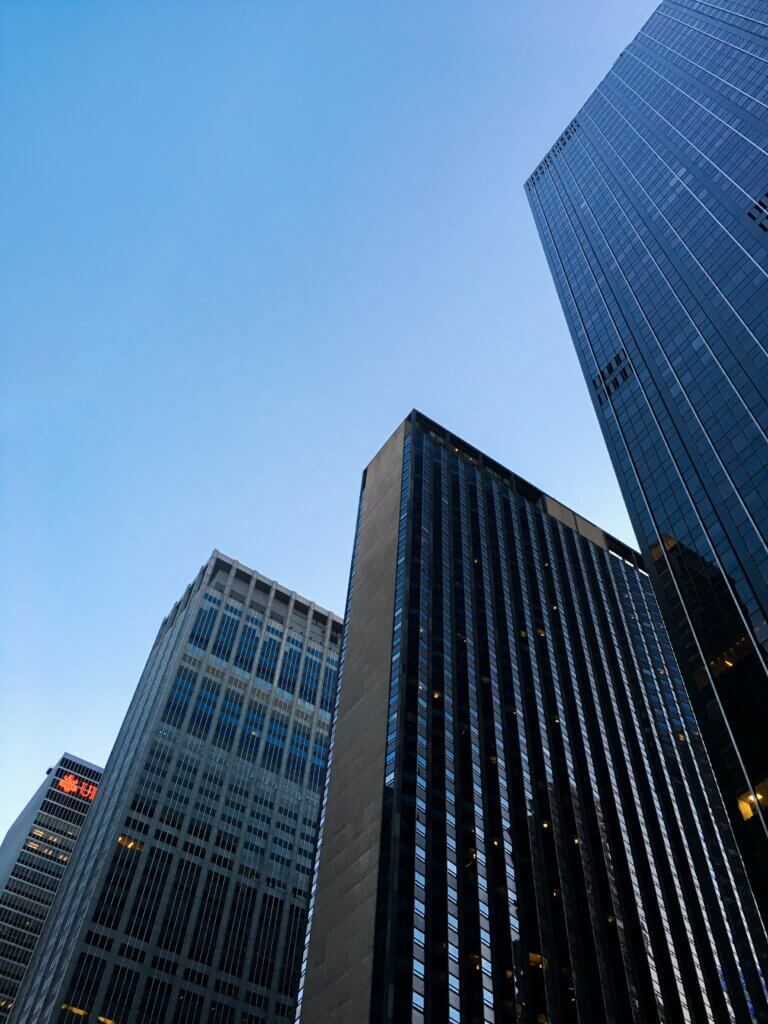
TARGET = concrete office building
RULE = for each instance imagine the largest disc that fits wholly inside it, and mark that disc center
(187, 896)
(33, 858)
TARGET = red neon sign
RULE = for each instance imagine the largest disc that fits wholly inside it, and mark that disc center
(70, 783)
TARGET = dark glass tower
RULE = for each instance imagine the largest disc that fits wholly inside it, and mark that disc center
(186, 900)
(33, 858)
(521, 823)
(653, 210)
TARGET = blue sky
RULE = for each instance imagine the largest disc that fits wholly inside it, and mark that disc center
(240, 241)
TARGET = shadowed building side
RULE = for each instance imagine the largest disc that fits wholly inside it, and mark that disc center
(521, 821)
(652, 208)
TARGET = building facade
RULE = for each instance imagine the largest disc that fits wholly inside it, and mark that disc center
(652, 207)
(33, 858)
(521, 822)
(187, 898)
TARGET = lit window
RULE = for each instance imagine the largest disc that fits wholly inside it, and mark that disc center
(131, 844)
(749, 802)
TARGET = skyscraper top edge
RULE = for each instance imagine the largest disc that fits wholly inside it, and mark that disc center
(80, 760)
(566, 515)
(562, 140)
(570, 129)
(281, 588)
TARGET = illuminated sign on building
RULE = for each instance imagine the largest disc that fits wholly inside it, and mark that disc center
(71, 784)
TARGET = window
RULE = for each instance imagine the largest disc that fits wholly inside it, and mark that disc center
(759, 213)
(297, 753)
(84, 985)
(229, 716)
(209, 918)
(130, 842)
(202, 713)
(253, 727)
(749, 802)
(178, 699)
(270, 919)
(318, 763)
(328, 696)
(203, 627)
(275, 742)
(309, 680)
(225, 637)
(249, 641)
(268, 659)
(289, 669)
(180, 906)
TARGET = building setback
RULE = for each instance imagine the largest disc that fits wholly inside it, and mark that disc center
(521, 822)
(33, 858)
(187, 898)
(652, 207)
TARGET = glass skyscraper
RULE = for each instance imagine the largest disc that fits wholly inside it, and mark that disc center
(652, 207)
(33, 858)
(521, 822)
(186, 899)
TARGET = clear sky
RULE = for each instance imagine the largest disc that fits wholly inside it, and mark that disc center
(240, 241)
